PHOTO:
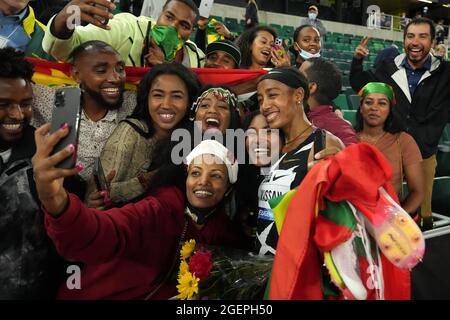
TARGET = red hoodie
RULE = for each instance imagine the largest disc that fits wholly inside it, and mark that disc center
(125, 249)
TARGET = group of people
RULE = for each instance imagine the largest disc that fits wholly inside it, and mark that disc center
(125, 232)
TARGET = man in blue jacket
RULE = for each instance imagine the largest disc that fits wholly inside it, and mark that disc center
(19, 28)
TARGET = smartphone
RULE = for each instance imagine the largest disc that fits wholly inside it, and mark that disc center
(67, 109)
(104, 21)
(99, 176)
(320, 137)
(205, 8)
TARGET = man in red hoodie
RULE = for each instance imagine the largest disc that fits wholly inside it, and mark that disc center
(324, 79)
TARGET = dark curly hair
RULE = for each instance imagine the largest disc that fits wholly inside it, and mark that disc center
(186, 75)
(13, 65)
(245, 41)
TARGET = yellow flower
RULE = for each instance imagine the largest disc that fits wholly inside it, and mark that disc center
(188, 285)
(187, 249)
(184, 267)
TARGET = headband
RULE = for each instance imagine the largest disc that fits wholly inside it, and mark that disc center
(220, 151)
(287, 76)
(378, 87)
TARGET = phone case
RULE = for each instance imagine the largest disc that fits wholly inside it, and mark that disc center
(319, 140)
(67, 108)
(205, 8)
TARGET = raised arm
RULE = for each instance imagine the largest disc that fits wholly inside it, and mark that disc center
(93, 236)
(358, 77)
(63, 35)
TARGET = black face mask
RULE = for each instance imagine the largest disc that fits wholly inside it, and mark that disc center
(199, 215)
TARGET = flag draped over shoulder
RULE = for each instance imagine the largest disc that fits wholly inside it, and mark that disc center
(58, 74)
(354, 174)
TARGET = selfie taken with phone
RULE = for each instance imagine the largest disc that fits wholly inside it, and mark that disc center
(224, 150)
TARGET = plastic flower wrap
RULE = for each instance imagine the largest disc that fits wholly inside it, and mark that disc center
(222, 273)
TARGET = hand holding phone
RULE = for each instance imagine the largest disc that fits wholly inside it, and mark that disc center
(67, 109)
(99, 177)
(102, 20)
(279, 56)
(320, 137)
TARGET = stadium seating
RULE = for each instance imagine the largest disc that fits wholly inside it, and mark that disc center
(354, 101)
(350, 115)
(441, 195)
(341, 101)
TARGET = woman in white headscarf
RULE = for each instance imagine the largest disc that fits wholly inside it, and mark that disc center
(131, 252)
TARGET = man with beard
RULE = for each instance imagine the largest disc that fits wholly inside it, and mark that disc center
(421, 84)
(100, 73)
(27, 257)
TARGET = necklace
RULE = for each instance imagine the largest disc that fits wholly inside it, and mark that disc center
(371, 140)
(301, 133)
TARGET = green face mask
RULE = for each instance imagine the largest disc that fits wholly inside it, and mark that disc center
(168, 39)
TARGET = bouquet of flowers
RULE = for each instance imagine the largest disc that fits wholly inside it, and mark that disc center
(221, 273)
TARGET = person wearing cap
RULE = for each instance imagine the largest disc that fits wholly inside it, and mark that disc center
(281, 96)
(374, 126)
(325, 81)
(130, 252)
(312, 20)
(223, 54)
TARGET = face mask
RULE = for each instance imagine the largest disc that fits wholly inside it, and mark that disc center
(306, 55)
(168, 39)
(312, 16)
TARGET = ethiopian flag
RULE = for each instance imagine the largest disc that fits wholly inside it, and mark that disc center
(58, 74)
